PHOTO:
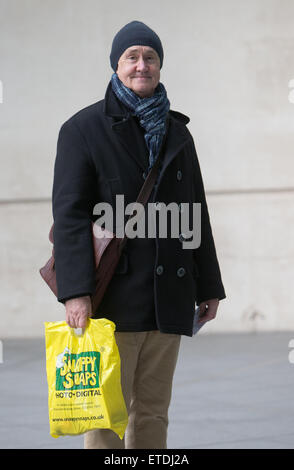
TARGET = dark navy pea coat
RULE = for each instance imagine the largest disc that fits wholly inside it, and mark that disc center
(101, 153)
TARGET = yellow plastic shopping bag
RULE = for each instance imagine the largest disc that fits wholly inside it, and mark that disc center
(84, 379)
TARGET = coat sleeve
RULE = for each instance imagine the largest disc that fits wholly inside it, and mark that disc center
(209, 282)
(73, 194)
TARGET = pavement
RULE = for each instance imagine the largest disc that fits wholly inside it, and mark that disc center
(231, 391)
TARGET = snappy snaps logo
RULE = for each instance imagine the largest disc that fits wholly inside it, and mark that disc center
(77, 371)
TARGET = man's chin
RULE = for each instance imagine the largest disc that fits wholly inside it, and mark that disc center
(143, 91)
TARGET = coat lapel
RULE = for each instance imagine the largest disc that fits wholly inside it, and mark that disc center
(126, 129)
(132, 139)
(177, 137)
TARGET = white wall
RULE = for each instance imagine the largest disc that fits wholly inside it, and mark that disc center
(227, 65)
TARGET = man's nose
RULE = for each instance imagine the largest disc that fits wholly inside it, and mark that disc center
(141, 64)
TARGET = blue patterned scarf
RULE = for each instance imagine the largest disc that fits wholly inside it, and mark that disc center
(151, 112)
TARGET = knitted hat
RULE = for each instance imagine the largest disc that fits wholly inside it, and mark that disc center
(135, 33)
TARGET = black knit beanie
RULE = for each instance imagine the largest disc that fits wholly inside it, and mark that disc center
(134, 33)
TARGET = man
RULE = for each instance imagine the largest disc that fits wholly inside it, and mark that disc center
(105, 150)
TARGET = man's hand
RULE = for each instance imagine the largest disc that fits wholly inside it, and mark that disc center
(77, 311)
(209, 312)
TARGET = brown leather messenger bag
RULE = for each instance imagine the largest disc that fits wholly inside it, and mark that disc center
(107, 247)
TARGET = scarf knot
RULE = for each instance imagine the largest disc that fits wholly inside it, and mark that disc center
(151, 112)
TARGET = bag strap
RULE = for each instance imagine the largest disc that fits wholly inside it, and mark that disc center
(152, 175)
(148, 185)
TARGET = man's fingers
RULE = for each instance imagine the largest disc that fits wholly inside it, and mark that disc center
(72, 319)
(72, 322)
(82, 322)
(68, 319)
(77, 311)
(205, 319)
(209, 315)
(77, 320)
(207, 310)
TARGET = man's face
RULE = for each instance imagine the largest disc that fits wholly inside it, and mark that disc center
(139, 69)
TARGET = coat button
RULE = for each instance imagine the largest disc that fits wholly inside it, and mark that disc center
(144, 175)
(181, 272)
(159, 269)
(179, 175)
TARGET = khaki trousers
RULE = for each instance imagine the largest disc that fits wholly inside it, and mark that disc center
(148, 361)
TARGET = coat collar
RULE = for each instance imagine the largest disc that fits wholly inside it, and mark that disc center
(112, 106)
(124, 126)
